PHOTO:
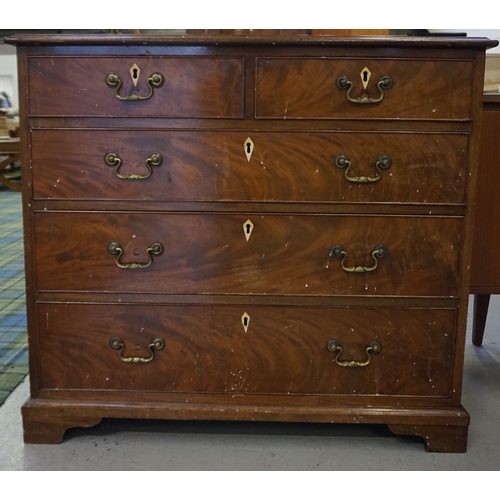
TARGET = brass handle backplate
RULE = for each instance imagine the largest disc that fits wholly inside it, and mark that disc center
(114, 248)
(338, 252)
(156, 80)
(374, 347)
(118, 344)
(385, 83)
(113, 160)
(383, 163)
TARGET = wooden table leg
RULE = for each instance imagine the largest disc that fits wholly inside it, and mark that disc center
(481, 303)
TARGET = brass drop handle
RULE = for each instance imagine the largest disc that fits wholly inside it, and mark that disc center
(118, 344)
(385, 83)
(383, 163)
(338, 252)
(374, 347)
(114, 248)
(113, 160)
(156, 80)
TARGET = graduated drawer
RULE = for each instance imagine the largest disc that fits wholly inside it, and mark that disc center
(249, 166)
(282, 350)
(247, 253)
(199, 87)
(294, 88)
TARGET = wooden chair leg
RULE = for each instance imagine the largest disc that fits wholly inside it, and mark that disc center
(481, 303)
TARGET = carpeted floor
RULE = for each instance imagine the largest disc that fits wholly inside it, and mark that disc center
(13, 336)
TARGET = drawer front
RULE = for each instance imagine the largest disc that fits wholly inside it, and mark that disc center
(192, 87)
(283, 350)
(212, 166)
(248, 253)
(290, 88)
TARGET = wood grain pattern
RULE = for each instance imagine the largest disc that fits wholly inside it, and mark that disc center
(212, 166)
(283, 351)
(280, 91)
(194, 87)
(285, 254)
(305, 88)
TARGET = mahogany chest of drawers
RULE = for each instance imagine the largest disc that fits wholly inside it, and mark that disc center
(249, 228)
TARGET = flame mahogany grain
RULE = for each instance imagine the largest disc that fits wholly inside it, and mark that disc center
(280, 91)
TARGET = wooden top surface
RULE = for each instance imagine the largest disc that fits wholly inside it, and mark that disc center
(491, 97)
(307, 40)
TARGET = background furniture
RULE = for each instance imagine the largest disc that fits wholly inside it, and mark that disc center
(249, 228)
(10, 151)
(485, 278)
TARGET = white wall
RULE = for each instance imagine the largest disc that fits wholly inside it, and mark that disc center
(8, 73)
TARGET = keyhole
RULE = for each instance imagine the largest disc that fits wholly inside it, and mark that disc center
(135, 73)
(245, 321)
(365, 76)
(248, 148)
(248, 228)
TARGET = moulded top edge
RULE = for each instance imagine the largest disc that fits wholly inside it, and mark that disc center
(287, 40)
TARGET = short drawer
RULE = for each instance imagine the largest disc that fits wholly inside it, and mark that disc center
(281, 350)
(249, 166)
(248, 253)
(188, 87)
(294, 88)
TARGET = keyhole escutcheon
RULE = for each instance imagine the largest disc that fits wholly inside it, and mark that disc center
(248, 147)
(365, 76)
(245, 321)
(248, 228)
(135, 72)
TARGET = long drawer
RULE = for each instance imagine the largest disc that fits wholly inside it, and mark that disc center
(192, 87)
(294, 88)
(281, 350)
(249, 166)
(194, 253)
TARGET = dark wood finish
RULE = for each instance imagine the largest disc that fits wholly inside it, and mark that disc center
(437, 438)
(212, 166)
(220, 90)
(197, 87)
(485, 279)
(47, 43)
(249, 32)
(283, 350)
(481, 304)
(349, 32)
(285, 255)
(43, 419)
(305, 88)
(47, 428)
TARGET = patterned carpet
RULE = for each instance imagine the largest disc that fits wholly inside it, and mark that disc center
(13, 336)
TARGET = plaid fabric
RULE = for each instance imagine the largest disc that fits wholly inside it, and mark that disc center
(13, 335)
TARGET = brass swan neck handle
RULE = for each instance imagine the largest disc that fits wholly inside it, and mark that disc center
(342, 162)
(113, 160)
(115, 248)
(155, 81)
(338, 252)
(385, 83)
(374, 347)
(118, 344)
